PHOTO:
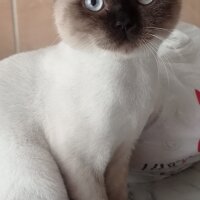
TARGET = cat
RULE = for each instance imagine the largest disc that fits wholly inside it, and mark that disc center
(71, 114)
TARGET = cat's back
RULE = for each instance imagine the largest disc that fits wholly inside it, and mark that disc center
(20, 77)
(21, 70)
(26, 164)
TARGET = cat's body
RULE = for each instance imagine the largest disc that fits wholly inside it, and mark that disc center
(28, 170)
(32, 94)
(86, 102)
(100, 110)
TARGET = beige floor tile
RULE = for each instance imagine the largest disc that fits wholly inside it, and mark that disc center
(36, 27)
(6, 30)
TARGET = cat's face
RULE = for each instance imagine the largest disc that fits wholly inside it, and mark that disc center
(115, 25)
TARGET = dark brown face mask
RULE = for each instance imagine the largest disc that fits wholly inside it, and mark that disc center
(118, 25)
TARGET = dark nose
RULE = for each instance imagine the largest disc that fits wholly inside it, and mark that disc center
(123, 21)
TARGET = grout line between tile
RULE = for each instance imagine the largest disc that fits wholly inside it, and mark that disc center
(15, 25)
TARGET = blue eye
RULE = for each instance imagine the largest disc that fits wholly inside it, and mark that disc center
(145, 2)
(94, 5)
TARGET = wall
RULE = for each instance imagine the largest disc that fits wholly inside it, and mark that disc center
(191, 11)
(26, 24)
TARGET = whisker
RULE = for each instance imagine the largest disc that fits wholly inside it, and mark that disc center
(161, 62)
(154, 55)
(158, 28)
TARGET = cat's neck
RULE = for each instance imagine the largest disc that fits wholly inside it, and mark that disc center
(102, 77)
(135, 74)
(98, 57)
(139, 70)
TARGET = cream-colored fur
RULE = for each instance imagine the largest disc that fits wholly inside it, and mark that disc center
(86, 106)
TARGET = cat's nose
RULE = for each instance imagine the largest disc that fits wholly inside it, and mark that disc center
(123, 22)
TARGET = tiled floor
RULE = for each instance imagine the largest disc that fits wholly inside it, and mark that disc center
(27, 25)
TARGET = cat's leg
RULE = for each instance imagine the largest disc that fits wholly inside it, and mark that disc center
(84, 181)
(101, 176)
(117, 174)
(27, 169)
(84, 151)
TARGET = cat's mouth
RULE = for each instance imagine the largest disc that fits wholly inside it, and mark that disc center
(125, 41)
(123, 32)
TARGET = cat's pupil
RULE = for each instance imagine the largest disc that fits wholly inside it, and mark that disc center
(93, 2)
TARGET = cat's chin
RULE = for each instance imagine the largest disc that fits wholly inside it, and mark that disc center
(124, 46)
(122, 49)
(144, 44)
(132, 49)
(89, 44)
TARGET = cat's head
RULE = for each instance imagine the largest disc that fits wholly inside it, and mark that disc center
(115, 25)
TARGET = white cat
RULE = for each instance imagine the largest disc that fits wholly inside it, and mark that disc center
(87, 106)
(83, 102)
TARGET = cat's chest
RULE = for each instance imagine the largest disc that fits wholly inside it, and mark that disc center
(102, 83)
(100, 75)
(98, 94)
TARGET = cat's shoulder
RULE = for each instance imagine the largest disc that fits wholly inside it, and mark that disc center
(26, 59)
(27, 65)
